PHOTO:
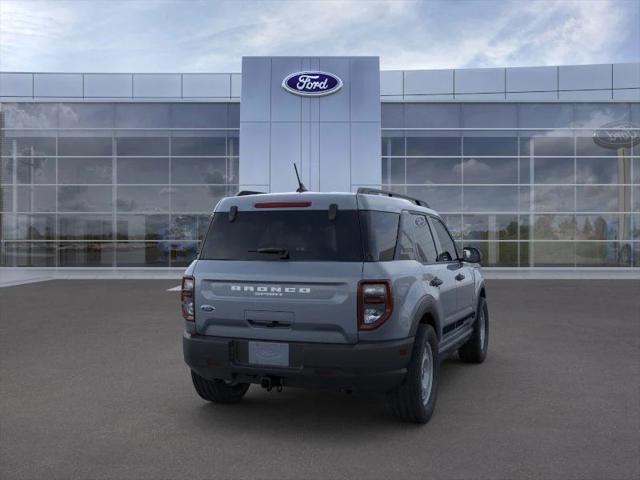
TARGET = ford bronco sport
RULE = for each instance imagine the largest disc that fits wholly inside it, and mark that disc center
(354, 291)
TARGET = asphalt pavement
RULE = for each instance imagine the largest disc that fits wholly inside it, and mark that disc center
(93, 386)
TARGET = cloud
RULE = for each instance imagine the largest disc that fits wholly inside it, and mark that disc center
(557, 33)
(145, 36)
(28, 30)
(527, 33)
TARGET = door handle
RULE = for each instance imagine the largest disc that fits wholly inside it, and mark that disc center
(436, 282)
(459, 277)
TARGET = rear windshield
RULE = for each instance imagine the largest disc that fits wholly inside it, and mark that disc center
(307, 235)
(284, 235)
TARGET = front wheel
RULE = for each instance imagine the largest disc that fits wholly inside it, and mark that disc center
(218, 391)
(474, 350)
(415, 400)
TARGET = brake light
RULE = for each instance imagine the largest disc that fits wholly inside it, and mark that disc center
(186, 298)
(375, 303)
(282, 204)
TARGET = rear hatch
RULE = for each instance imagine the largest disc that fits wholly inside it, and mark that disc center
(281, 267)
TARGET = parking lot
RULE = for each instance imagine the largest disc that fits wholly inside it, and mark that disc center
(93, 385)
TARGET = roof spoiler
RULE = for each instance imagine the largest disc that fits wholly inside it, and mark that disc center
(242, 193)
(385, 193)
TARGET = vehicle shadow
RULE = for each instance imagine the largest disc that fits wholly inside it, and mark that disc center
(300, 410)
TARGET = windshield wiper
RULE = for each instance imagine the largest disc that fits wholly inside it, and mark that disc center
(283, 252)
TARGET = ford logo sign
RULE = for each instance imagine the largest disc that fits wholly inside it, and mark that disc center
(617, 135)
(312, 83)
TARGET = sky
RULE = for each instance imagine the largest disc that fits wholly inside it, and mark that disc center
(212, 36)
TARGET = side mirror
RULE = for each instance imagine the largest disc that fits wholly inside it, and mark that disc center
(471, 255)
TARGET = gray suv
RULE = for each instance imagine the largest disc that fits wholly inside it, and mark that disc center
(354, 291)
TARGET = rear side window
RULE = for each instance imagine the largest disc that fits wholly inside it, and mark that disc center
(379, 232)
(305, 235)
(447, 252)
(416, 242)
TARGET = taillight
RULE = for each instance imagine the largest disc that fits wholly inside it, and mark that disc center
(186, 298)
(375, 303)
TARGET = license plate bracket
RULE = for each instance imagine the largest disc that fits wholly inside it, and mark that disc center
(275, 354)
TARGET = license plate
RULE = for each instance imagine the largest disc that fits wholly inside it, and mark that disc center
(269, 353)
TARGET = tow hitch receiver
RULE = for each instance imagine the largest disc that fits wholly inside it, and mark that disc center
(269, 383)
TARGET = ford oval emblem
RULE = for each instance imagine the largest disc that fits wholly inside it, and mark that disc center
(617, 135)
(312, 83)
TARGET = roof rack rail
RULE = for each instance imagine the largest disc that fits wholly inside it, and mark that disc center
(375, 191)
(242, 193)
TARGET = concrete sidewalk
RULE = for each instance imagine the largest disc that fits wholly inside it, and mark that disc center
(10, 276)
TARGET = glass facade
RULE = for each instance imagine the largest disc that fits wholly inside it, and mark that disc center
(131, 184)
(524, 183)
(112, 184)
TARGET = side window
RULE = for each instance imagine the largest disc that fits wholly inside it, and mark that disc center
(379, 234)
(415, 241)
(426, 245)
(447, 251)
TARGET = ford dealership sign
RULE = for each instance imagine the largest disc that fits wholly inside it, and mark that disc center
(312, 83)
(617, 135)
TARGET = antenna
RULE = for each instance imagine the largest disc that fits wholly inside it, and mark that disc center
(301, 188)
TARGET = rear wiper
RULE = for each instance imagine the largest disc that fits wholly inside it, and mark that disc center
(283, 252)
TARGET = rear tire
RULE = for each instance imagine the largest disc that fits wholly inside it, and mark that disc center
(474, 350)
(218, 391)
(415, 400)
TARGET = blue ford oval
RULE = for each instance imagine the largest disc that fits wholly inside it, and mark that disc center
(312, 83)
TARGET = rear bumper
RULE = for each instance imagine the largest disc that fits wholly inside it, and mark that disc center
(375, 366)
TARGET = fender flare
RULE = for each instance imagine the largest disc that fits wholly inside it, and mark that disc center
(427, 305)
